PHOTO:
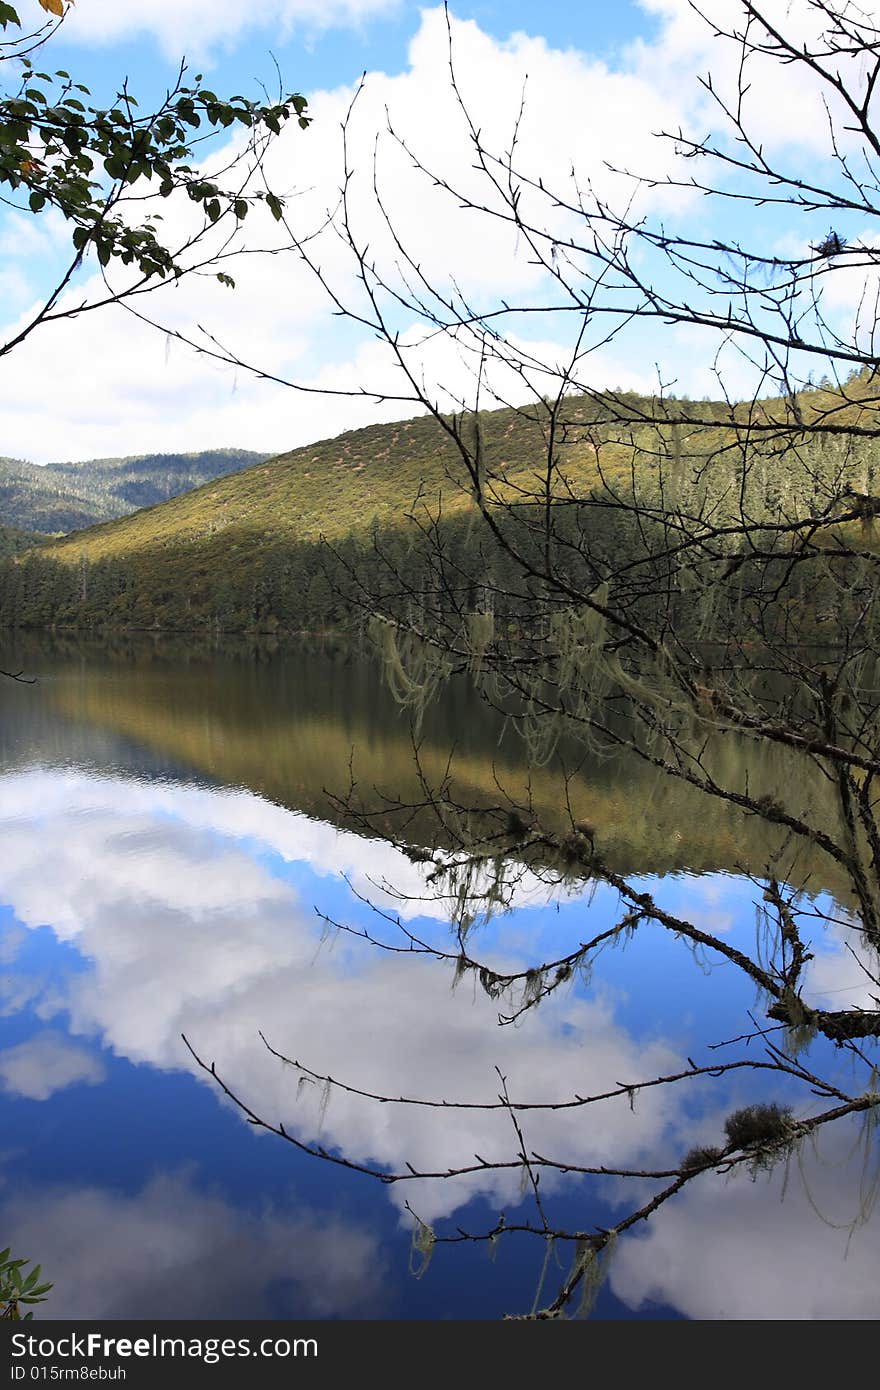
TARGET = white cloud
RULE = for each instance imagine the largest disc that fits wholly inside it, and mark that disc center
(174, 1250)
(170, 896)
(108, 385)
(11, 942)
(46, 1063)
(115, 387)
(714, 904)
(196, 27)
(17, 991)
(842, 971)
(110, 833)
(123, 883)
(782, 106)
(734, 1249)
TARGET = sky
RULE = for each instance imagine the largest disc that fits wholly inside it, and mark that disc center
(600, 82)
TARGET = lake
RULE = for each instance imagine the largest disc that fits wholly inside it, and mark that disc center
(179, 856)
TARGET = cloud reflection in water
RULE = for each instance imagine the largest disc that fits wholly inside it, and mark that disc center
(192, 911)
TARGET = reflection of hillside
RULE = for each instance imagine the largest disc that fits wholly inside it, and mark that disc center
(287, 730)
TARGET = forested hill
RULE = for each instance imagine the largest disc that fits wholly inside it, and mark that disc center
(247, 552)
(61, 497)
(13, 541)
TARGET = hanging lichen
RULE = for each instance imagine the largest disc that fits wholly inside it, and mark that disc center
(479, 634)
(462, 966)
(590, 1266)
(577, 635)
(414, 668)
(767, 1131)
(323, 1103)
(421, 1249)
(549, 1252)
(533, 984)
(699, 1157)
(524, 1180)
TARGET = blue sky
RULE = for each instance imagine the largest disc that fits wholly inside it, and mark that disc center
(312, 55)
(601, 82)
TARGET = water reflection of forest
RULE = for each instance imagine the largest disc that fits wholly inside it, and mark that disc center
(293, 726)
(180, 906)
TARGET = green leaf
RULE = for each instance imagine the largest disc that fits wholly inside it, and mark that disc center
(37, 201)
(274, 205)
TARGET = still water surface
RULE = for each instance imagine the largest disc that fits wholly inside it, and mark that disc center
(170, 841)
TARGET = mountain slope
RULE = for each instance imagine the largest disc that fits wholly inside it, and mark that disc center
(328, 489)
(60, 497)
(244, 551)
